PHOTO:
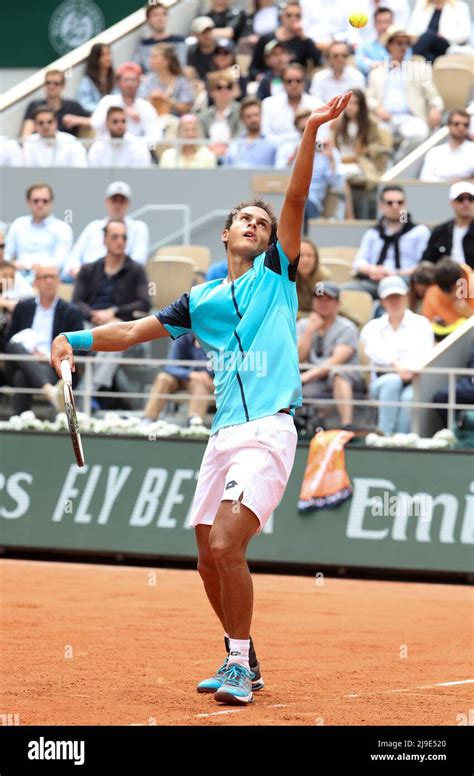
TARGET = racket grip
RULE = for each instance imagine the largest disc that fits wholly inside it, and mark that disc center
(66, 371)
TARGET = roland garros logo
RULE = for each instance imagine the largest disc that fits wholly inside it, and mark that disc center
(74, 22)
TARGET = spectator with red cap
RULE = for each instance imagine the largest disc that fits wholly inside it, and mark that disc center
(142, 119)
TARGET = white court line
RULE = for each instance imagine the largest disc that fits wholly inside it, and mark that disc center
(411, 689)
(449, 684)
(215, 713)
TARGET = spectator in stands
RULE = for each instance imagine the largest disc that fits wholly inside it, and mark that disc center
(464, 392)
(39, 237)
(290, 32)
(373, 52)
(194, 380)
(229, 21)
(455, 238)
(421, 279)
(224, 58)
(221, 122)
(90, 244)
(118, 148)
(69, 113)
(10, 153)
(165, 86)
(438, 24)
(448, 302)
(399, 8)
(200, 54)
(326, 21)
(279, 111)
(142, 118)
(403, 95)
(98, 79)
(309, 273)
(399, 340)
(112, 289)
(251, 149)
(326, 340)
(157, 20)
(191, 155)
(394, 246)
(455, 158)
(338, 77)
(364, 150)
(13, 288)
(277, 58)
(327, 168)
(35, 323)
(262, 21)
(47, 147)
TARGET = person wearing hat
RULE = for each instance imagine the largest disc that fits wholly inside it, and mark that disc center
(277, 58)
(402, 94)
(455, 238)
(200, 54)
(90, 244)
(455, 158)
(397, 341)
(326, 340)
(142, 118)
(224, 57)
(439, 24)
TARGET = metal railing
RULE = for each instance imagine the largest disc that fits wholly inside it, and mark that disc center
(87, 391)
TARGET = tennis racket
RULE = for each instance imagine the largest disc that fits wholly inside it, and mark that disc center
(70, 410)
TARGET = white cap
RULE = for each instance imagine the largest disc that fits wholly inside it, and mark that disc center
(118, 187)
(393, 284)
(201, 23)
(461, 187)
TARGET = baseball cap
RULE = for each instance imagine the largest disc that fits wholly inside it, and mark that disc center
(118, 187)
(395, 31)
(222, 44)
(326, 289)
(272, 44)
(461, 187)
(201, 23)
(393, 284)
(133, 66)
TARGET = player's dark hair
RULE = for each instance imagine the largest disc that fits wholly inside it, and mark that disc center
(256, 202)
(447, 273)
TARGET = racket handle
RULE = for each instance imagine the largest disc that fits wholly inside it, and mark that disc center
(66, 372)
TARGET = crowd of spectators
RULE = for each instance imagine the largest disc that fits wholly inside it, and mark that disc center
(186, 102)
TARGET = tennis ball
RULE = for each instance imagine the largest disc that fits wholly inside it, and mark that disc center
(358, 20)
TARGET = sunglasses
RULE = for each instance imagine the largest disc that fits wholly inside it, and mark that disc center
(339, 56)
(465, 198)
(38, 200)
(46, 123)
(293, 80)
(46, 277)
(223, 88)
(54, 83)
(393, 202)
(459, 124)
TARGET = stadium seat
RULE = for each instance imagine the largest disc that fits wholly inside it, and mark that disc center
(357, 305)
(170, 277)
(342, 252)
(339, 268)
(65, 291)
(454, 83)
(200, 254)
(455, 59)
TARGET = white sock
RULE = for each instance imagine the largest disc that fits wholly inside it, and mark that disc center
(239, 652)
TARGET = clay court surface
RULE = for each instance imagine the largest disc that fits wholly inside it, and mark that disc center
(103, 645)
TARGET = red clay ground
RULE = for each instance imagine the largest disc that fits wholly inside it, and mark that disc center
(330, 654)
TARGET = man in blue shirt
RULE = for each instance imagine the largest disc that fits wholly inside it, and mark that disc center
(251, 149)
(373, 52)
(246, 324)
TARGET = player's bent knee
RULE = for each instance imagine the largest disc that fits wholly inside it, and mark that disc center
(225, 554)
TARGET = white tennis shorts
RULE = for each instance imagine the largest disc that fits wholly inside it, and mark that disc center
(250, 462)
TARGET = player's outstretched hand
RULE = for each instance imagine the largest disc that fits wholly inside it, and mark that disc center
(60, 350)
(330, 111)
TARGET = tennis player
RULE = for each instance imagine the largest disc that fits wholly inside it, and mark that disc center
(246, 323)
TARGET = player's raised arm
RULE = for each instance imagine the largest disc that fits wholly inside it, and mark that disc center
(291, 218)
(110, 337)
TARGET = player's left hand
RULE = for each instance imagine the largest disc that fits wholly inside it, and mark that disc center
(330, 111)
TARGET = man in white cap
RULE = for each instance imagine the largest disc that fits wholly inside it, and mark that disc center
(399, 340)
(454, 239)
(90, 243)
(455, 158)
(200, 54)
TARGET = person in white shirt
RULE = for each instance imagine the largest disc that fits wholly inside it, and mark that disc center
(90, 243)
(455, 158)
(399, 8)
(40, 237)
(279, 110)
(192, 155)
(47, 147)
(338, 77)
(119, 148)
(10, 153)
(393, 246)
(399, 340)
(326, 21)
(143, 120)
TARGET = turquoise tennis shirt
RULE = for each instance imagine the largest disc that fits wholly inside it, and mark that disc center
(247, 328)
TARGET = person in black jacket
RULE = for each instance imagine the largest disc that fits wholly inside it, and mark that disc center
(291, 33)
(109, 290)
(455, 239)
(35, 323)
